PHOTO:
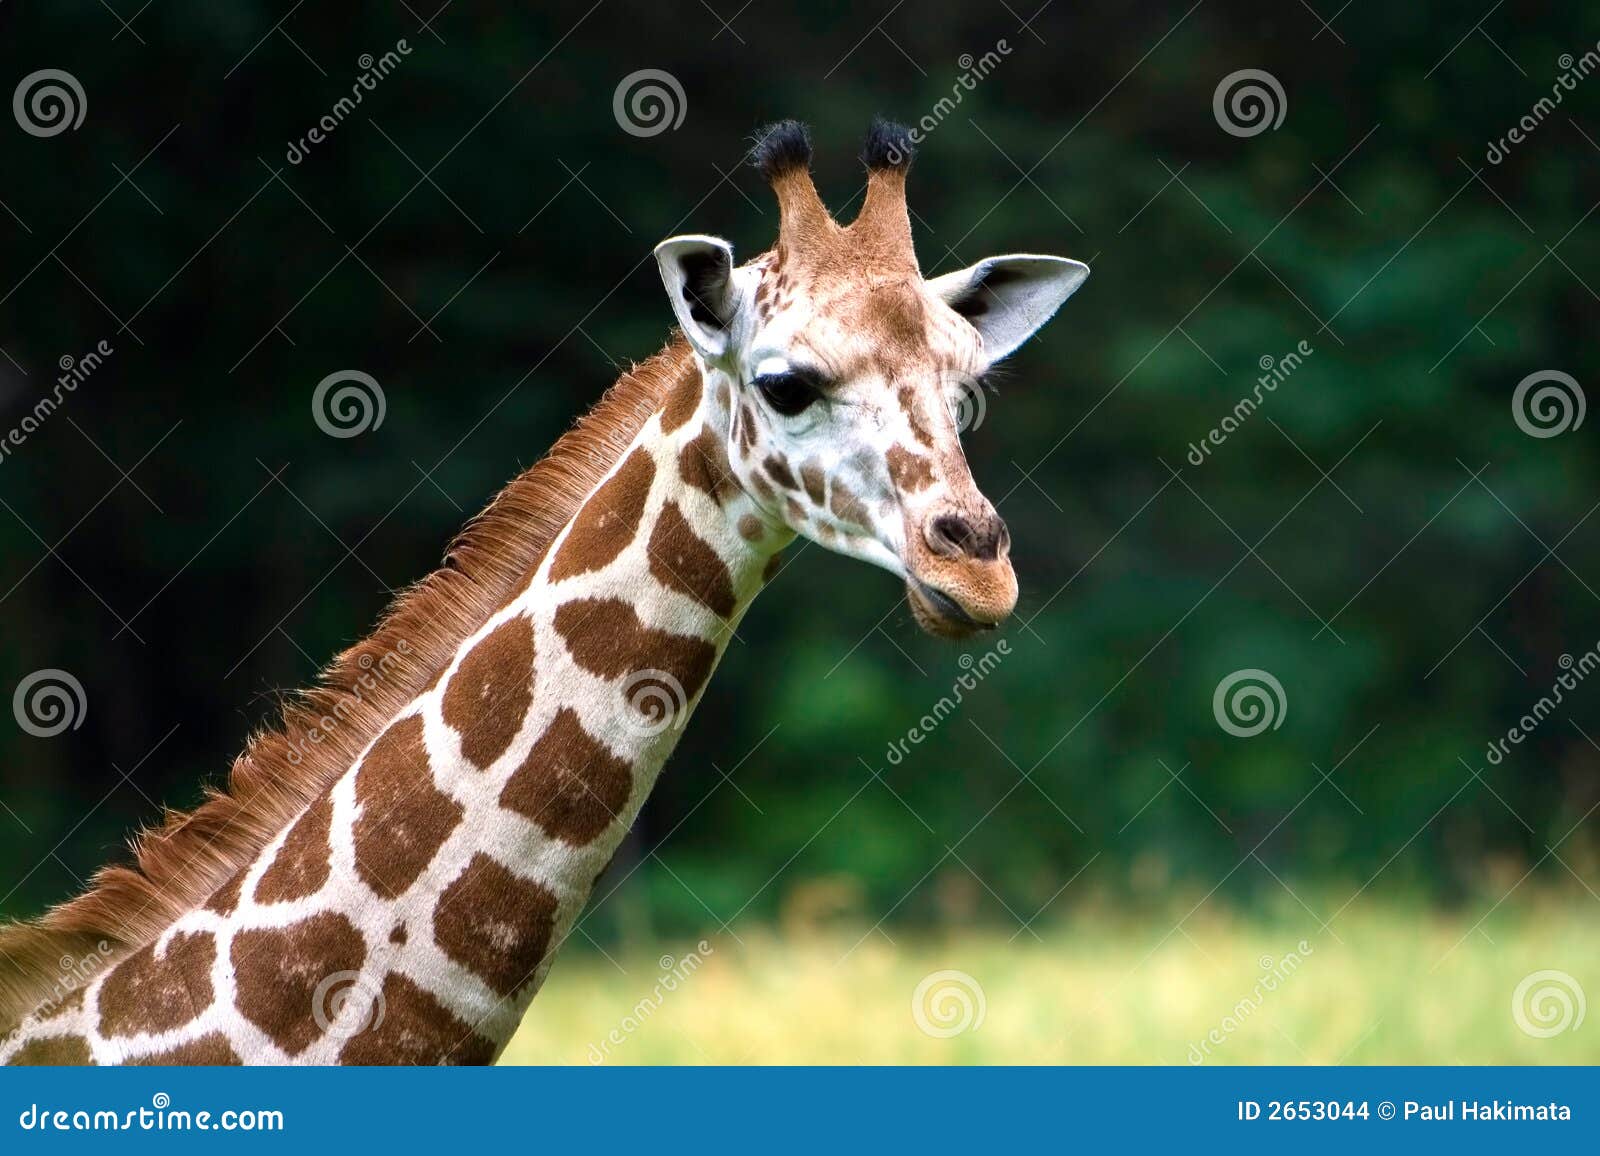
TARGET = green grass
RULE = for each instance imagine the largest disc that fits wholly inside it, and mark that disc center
(1405, 985)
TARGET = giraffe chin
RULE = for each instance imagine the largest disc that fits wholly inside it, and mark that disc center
(941, 615)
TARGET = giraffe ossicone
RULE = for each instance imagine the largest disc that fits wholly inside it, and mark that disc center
(395, 890)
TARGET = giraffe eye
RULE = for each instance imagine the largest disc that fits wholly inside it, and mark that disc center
(788, 393)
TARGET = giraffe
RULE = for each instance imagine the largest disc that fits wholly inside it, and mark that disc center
(389, 872)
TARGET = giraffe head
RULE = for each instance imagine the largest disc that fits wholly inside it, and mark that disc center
(841, 372)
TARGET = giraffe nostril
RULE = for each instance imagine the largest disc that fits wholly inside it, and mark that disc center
(948, 535)
(953, 536)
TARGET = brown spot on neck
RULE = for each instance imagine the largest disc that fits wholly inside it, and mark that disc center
(145, 993)
(416, 1029)
(683, 561)
(301, 866)
(52, 1052)
(703, 464)
(571, 784)
(278, 973)
(226, 898)
(682, 402)
(495, 924)
(491, 691)
(404, 818)
(608, 521)
(606, 637)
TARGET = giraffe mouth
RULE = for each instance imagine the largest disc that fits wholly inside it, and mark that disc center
(941, 615)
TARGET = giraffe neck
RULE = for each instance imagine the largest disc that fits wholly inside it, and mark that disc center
(412, 912)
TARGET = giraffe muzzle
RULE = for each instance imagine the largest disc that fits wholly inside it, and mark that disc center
(947, 609)
(959, 575)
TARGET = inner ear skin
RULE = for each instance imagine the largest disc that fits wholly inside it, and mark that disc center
(705, 288)
(980, 293)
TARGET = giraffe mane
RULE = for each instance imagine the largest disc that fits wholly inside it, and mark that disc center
(180, 863)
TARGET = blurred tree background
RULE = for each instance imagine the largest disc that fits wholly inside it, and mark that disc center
(1381, 536)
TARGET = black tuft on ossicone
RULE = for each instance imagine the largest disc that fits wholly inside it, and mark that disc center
(781, 147)
(889, 145)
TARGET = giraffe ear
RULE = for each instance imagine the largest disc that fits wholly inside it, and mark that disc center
(1007, 298)
(698, 274)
